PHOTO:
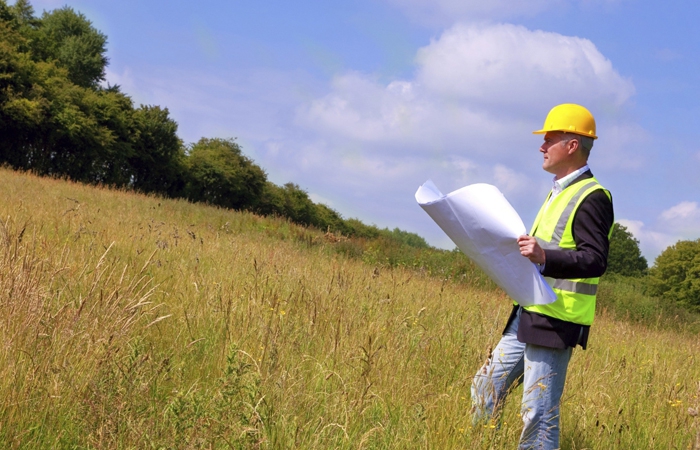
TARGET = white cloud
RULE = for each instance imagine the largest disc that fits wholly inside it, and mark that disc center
(510, 181)
(465, 170)
(362, 109)
(478, 90)
(683, 210)
(651, 242)
(683, 218)
(510, 65)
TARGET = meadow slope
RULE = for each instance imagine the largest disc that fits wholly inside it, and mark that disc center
(129, 321)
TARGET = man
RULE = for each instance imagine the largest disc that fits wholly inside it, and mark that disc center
(569, 242)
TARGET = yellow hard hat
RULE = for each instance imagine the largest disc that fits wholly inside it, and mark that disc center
(569, 118)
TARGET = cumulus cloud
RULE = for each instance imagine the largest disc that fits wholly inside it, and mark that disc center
(683, 218)
(509, 180)
(360, 108)
(400, 118)
(510, 65)
(683, 210)
(476, 88)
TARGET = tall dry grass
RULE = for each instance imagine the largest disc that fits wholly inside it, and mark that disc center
(136, 322)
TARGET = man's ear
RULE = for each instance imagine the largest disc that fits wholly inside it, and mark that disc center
(572, 146)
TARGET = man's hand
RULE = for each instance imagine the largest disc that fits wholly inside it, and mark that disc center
(530, 249)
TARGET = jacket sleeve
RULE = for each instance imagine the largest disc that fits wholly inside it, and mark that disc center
(591, 225)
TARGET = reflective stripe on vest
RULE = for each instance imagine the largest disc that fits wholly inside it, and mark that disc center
(577, 287)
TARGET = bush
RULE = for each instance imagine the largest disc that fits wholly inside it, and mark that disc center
(219, 174)
(628, 299)
(405, 237)
(676, 273)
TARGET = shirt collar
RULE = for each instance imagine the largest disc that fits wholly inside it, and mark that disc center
(564, 182)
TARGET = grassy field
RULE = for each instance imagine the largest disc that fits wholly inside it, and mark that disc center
(136, 322)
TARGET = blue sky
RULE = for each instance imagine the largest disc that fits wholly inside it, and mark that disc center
(359, 102)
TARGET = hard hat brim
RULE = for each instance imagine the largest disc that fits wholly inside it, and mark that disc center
(592, 136)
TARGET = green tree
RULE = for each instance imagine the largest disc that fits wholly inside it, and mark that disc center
(22, 105)
(23, 11)
(359, 229)
(292, 202)
(158, 157)
(85, 135)
(624, 257)
(69, 39)
(48, 123)
(218, 173)
(676, 273)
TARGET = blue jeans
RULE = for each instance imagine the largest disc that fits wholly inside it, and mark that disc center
(542, 371)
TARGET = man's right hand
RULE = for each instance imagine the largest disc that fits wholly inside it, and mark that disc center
(530, 249)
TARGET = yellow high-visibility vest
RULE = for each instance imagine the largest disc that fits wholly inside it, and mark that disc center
(553, 229)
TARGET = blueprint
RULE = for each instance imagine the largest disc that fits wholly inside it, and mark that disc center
(482, 224)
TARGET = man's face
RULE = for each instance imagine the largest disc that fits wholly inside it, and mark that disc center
(556, 154)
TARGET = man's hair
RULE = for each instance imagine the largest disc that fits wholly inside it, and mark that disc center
(585, 143)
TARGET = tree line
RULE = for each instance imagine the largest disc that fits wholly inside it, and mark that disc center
(59, 117)
(675, 275)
